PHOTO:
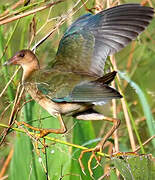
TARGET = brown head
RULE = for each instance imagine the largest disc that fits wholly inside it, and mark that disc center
(27, 59)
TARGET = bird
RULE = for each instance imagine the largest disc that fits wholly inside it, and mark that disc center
(75, 81)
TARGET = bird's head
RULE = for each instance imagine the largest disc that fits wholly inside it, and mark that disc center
(25, 58)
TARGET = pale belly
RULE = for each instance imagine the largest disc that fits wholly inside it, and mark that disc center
(72, 108)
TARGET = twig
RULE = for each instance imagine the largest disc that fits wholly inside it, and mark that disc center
(47, 21)
(5, 21)
(16, 102)
(9, 82)
(32, 30)
(139, 120)
(4, 177)
(2, 114)
(144, 2)
(6, 163)
(8, 41)
(146, 142)
(13, 112)
(63, 19)
(14, 6)
(48, 35)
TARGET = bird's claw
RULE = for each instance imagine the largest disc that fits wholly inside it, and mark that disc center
(93, 155)
(83, 171)
(98, 163)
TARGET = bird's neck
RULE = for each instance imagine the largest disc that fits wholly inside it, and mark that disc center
(28, 71)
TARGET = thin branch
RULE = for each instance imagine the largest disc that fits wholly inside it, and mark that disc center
(63, 19)
(13, 112)
(14, 6)
(48, 20)
(3, 113)
(5, 21)
(146, 142)
(6, 163)
(9, 82)
(48, 35)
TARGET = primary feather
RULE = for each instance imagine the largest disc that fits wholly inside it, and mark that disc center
(90, 39)
(79, 66)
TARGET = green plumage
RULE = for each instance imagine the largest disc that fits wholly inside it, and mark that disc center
(71, 87)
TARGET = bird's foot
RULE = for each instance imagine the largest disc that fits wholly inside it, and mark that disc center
(40, 146)
(98, 148)
(37, 136)
(43, 132)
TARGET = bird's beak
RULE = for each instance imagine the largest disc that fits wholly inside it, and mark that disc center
(11, 61)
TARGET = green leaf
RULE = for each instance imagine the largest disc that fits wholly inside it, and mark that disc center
(135, 167)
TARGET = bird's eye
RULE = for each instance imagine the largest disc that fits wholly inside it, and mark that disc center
(21, 54)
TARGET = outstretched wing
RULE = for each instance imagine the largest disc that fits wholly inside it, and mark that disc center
(89, 40)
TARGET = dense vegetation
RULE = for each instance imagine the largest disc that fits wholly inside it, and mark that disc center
(22, 25)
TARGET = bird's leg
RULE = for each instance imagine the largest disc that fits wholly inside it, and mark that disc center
(43, 131)
(100, 145)
(62, 129)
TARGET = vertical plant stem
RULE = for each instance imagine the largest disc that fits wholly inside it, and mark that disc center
(125, 110)
(114, 115)
(116, 131)
(135, 129)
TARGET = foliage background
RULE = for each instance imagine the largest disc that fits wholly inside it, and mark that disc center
(18, 157)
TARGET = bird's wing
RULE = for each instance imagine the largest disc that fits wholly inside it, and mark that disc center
(58, 84)
(90, 39)
(90, 93)
(70, 87)
(96, 91)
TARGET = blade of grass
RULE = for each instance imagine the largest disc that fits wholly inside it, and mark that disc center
(4, 69)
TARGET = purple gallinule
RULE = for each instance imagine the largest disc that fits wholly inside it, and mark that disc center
(76, 82)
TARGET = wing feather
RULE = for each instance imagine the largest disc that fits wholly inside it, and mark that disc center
(90, 39)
